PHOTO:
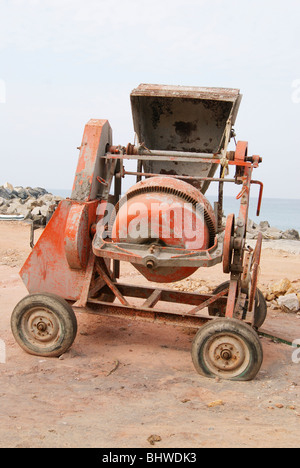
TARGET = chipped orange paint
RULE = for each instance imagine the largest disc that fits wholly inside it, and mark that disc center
(97, 134)
(47, 268)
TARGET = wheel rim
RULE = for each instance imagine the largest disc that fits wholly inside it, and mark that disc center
(226, 355)
(41, 327)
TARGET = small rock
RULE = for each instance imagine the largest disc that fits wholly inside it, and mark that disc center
(215, 403)
(153, 438)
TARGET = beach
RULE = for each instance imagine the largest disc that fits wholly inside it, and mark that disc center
(132, 384)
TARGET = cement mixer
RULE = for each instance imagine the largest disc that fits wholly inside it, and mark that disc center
(163, 225)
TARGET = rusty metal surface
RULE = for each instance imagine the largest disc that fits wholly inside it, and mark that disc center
(166, 295)
(149, 311)
(175, 250)
(77, 236)
(188, 119)
(197, 92)
(254, 271)
(216, 160)
(97, 135)
(150, 315)
(167, 257)
(47, 268)
(228, 243)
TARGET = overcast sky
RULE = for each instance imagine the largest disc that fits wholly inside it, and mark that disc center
(63, 62)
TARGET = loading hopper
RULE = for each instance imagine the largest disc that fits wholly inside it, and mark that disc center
(188, 119)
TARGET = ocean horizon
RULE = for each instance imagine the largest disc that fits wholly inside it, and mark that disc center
(279, 212)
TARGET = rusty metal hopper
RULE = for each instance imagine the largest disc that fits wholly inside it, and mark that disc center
(188, 119)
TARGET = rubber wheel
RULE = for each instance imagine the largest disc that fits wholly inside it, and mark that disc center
(260, 311)
(44, 324)
(227, 348)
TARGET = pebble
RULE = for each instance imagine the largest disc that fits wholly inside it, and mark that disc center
(215, 403)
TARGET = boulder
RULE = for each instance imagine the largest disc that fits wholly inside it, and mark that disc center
(32, 192)
(9, 187)
(4, 193)
(272, 233)
(291, 234)
(289, 302)
(44, 209)
(281, 287)
(31, 203)
(41, 191)
(263, 225)
(22, 193)
(251, 226)
(36, 211)
(12, 207)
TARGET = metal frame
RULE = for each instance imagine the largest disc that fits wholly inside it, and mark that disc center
(166, 256)
(80, 272)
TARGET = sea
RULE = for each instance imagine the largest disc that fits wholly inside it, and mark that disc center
(279, 212)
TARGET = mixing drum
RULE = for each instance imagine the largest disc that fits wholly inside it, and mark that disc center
(166, 212)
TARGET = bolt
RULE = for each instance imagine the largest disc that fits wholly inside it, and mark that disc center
(41, 326)
(150, 264)
(226, 355)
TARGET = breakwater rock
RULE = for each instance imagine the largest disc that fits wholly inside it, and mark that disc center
(29, 203)
(270, 232)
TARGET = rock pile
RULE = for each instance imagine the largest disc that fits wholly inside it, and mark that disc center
(284, 294)
(31, 203)
(193, 285)
(269, 232)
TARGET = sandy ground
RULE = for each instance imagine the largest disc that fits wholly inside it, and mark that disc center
(84, 400)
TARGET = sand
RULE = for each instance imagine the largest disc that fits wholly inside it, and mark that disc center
(123, 382)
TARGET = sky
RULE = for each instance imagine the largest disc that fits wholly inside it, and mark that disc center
(63, 62)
